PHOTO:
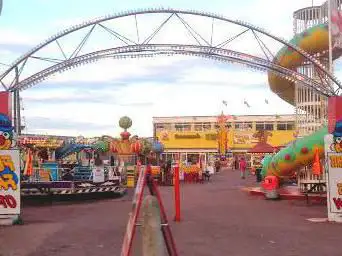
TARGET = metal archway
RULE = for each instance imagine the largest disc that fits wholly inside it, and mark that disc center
(22, 74)
(14, 79)
(152, 50)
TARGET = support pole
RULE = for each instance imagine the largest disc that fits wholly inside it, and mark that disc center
(16, 117)
(177, 192)
(152, 236)
(15, 112)
(18, 113)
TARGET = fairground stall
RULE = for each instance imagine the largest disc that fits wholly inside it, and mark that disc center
(258, 152)
(260, 149)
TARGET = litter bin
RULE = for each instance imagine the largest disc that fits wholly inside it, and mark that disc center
(270, 186)
(258, 174)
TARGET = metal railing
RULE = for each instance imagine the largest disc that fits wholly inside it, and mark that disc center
(45, 175)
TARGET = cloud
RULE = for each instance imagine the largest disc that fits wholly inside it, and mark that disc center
(43, 125)
(18, 37)
(118, 70)
(143, 101)
(51, 123)
(137, 104)
(220, 76)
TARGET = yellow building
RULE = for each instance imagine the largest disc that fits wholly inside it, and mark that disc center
(193, 136)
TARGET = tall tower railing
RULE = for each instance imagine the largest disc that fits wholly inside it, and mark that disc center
(310, 108)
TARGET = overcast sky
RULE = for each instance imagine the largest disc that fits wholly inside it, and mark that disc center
(89, 100)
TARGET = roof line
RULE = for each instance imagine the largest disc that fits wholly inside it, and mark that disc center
(218, 115)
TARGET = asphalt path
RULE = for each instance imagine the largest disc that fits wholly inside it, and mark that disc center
(218, 218)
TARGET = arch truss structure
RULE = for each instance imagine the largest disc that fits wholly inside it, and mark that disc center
(152, 32)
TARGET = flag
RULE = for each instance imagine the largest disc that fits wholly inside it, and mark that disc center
(246, 103)
(224, 102)
(317, 166)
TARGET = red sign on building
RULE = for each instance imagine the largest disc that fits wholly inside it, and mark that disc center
(5, 104)
(334, 112)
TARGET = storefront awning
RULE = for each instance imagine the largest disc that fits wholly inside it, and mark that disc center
(262, 148)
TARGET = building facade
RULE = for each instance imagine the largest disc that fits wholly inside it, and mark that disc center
(196, 136)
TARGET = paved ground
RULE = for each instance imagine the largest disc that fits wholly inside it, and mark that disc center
(218, 219)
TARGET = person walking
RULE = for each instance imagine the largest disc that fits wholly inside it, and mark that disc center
(243, 167)
(236, 163)
(217, 165)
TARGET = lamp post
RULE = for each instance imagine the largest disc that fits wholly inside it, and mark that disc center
(177, 190)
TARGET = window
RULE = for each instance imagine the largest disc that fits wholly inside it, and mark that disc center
(286, 126)
(238, 126)
(183, 127)
(248, 126)
(243, 126)
(162, 126)
(198, 127)
(259, 126)
(269, 126)
(281, 126)
(206, 126)
(202, 127)
(264, 126)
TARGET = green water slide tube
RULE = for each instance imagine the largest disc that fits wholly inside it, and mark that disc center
(298, 154)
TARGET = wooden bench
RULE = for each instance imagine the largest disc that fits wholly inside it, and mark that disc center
(313, 187)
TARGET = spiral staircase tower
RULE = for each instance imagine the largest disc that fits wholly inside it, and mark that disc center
(310, 107)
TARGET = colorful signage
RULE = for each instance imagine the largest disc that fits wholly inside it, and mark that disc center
(41, 142)
(334, 178)
(208, 139)
(9, 182)
(98, 175)
(187, 136)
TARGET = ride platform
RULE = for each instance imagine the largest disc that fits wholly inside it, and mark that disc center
(60, 188)
(289, 193)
